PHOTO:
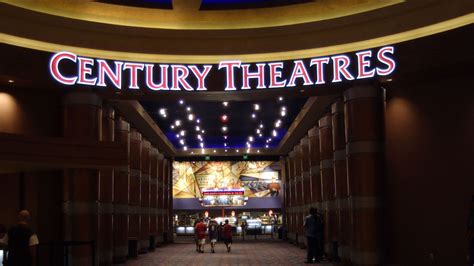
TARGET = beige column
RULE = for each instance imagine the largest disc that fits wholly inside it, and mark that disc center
(160, 200)
(327, 179)
(154, 196)
(144, 243)
(364, 123)
(106, 193)
(316, 190)
(292, 185)
(134, 202)
(340, 180)
(299, 195)
(121, 195)
(82, 114)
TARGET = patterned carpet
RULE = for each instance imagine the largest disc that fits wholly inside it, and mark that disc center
(251, 252)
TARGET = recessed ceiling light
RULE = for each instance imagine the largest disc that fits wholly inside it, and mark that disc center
(181, 102)
(254, 115)
(266, 146)
(280, 98)
(225, 150)
(258, 151)
(198, 128)
(172, 126)
(237, 150)
(224, 118)
(181, 141)
(224, 129)
(214, 151)
(283, 113)
(274, 133)
(188, 108)
(256, 107)
(261, 126)
(190, 117)
(258, 131)
(177, 123)
(201, 144)
(225, 137)
(177, 136)
(198, 121)
(11, 81)
(203, 131)
(283, 108)
(182, 133)
(162, 112)
(225, 144)
(225, 103)
(260, 135)
(250, 138)
(185, 148)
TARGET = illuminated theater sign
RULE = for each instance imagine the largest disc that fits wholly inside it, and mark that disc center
(223, 197)
(70, 69)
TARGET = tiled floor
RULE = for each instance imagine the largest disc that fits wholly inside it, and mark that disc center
(260, 252)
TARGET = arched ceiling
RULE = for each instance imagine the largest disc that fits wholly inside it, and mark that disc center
(186, 34)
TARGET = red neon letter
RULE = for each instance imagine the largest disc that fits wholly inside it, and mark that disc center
(229, 66)
(85, 70)
(164, 78)
(299, 72)
(259, 75)
(201, 76)
(319, 62)
(104, 69)
(339, 69)
(54, 67)
(382, 57)
(133, 74)
(363, 64)
(275, 73)
(180, 73)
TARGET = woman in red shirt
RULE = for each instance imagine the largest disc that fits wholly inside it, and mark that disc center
(227, 235)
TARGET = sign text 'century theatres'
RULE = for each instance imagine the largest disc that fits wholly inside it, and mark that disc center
(70, 69)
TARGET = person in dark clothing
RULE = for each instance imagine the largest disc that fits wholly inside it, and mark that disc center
(313, 225)
(470, 230)
(22, 242)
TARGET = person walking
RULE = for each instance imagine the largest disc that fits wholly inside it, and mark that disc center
(22, 242)
(201, 235)
(195, 235)
(313, 231)
(227, 235)
(213, 233)
(243, 226)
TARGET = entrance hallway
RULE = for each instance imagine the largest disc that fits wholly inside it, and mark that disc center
(267, 252)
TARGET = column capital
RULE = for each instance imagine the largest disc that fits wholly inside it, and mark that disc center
(337, 107)
(82, 98)
(363, 91)
(313, 132)
(325, 121)
(135, 135)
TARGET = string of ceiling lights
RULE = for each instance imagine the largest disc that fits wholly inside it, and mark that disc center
(261, 133)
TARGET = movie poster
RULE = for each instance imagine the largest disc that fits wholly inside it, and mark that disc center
(257, 178)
